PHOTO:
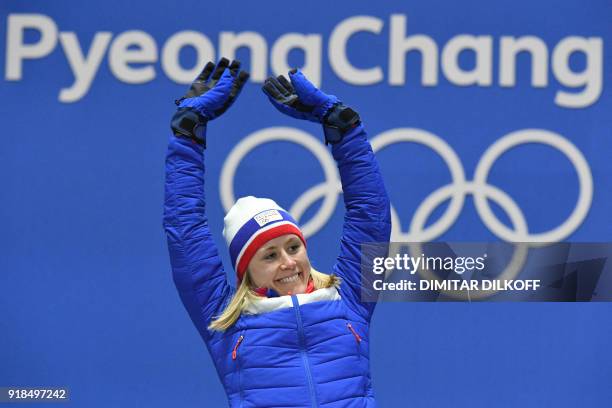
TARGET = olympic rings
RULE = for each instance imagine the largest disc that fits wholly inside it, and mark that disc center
(456, 191)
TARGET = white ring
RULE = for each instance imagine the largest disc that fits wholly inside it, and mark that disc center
(506, 203)
(457, 173)
(328, 189)
(552, 139)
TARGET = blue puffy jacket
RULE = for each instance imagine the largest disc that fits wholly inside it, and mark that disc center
(306, 350)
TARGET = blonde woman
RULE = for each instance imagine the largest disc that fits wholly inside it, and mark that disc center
(287, 336)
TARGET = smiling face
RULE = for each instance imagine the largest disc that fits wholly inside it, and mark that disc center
(281, 264)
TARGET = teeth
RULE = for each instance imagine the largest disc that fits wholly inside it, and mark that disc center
(289, 279)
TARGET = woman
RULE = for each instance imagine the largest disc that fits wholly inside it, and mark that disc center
(288, 336)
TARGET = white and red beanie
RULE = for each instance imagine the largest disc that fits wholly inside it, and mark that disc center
(249, 224)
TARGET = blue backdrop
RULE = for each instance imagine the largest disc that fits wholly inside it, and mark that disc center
(86, 297)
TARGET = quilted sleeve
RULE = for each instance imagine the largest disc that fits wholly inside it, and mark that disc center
(196, 266)
(367, 217)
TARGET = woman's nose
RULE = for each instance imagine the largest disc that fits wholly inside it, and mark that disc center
(287, 262)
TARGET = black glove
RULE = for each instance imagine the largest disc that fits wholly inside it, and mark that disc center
(302, 100)
(209, 96)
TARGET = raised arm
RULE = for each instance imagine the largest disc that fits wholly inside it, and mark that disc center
(367, 216)
(196, 266)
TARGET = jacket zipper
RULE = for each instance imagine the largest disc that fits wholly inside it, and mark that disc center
(358, 350)
(235, 350)
(234, 358)
(302, 339)
(357, 337)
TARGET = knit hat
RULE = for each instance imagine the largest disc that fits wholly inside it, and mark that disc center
(249, 224)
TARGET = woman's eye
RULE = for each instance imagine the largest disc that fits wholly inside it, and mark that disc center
(270, 256)
(294, 248)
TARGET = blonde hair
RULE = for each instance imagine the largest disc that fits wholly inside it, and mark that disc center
(245, 294)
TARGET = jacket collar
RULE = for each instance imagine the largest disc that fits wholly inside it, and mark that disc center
(266, 305)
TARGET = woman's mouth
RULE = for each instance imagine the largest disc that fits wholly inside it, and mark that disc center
(290, 279)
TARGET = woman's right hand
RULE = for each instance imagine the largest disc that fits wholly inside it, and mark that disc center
(210, 95)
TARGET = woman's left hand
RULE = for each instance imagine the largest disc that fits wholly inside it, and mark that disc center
(299, 98)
